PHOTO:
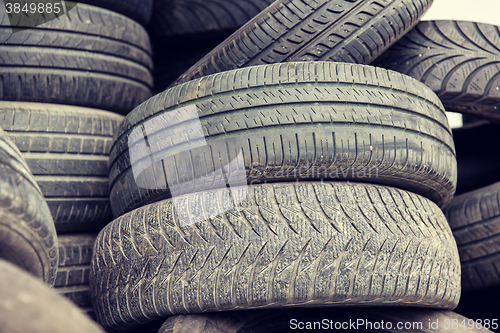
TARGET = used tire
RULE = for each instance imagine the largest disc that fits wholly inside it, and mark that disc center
(89, 57)
(67, 150)
(274, 245)
(138, 10)
(194, 17)
(313, 30)
(27, 234)
(359, 320)
(311, 120)
(475, 220)
(458, 60)
(75, 254)
(29, 306)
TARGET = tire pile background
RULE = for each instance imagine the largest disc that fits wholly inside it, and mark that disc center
(271, 169)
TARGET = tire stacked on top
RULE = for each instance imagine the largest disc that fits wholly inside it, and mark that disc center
(209, 217)
(66, 82)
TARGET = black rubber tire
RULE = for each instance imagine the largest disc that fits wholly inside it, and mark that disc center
(478, 156)
(75, 255)
(29, 306)
(138, 10)
(27, 234)
(274, 245)
(355, 31)
(475, 220)
(89, 57)
(67, 150)
(200, 17)
(284, 122)
(458, 60)
(419, 321)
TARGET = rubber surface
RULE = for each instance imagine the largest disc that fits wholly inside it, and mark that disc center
(355, 31)
(274, 245)
(27, 234)
(29, 306)
(67, 151)
(200, 17)
(138, 10)
(89, 57)
(75, 254)
(361, 319)
(458, 60)
(475, 220)
(279, 122)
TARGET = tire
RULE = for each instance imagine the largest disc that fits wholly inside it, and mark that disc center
(138, 10)
(274, 245)
(104, 64)
(27, 234)
(75, 254)
(29, 306)
(284, 122)
(313, 30)
(67, 150)
(478, 156)
(361, 319)
(457, 60)
(475, 220)
(201, 17)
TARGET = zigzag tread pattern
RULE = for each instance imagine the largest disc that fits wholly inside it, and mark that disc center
(458, 60)
(308, 244)
(475, 220)
(305, 30)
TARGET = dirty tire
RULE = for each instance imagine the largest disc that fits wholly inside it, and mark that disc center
(354, 31)
(29, 306)
(274, 245)
(27, 234)
(138, 10)
(89, 57)
(201, 17)
(475, 220)
(458, 60)
(75, 254)
(311, 120)
(67, 150)
(293, 319)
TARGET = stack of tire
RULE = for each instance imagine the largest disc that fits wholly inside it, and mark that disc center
(280, 172)
(28, 240)
(458, 60)
(66, 80)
